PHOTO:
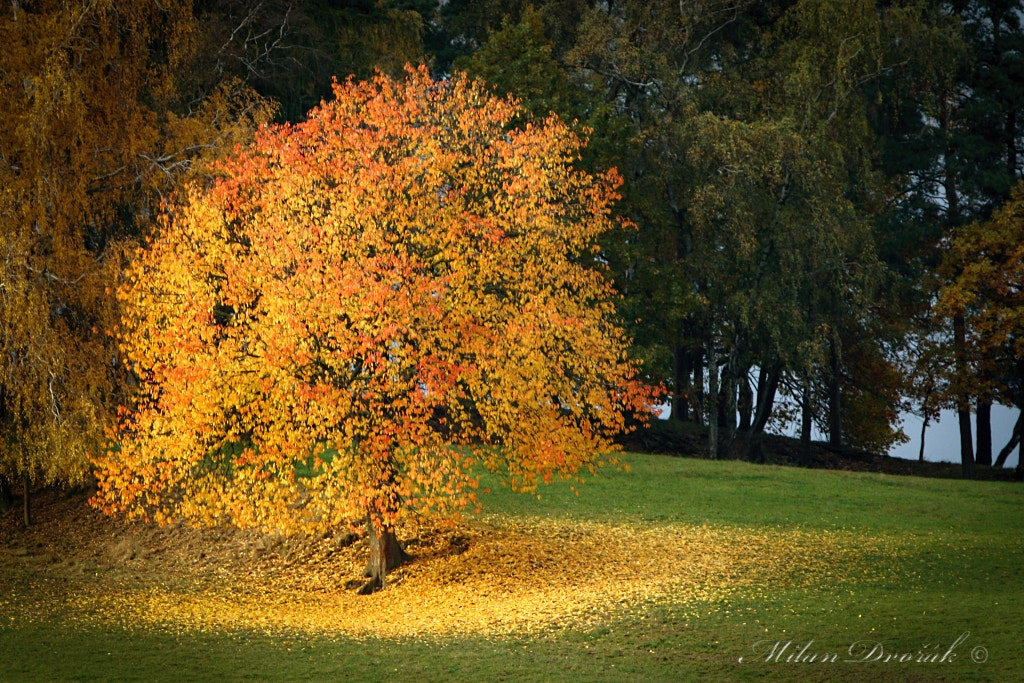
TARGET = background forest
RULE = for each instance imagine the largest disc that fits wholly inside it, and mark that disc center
(825, 199)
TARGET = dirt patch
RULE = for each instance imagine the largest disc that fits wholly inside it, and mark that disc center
(69, 539)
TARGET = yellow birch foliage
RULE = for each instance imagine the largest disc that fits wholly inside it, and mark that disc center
(984, 268)
(88, 140)
(362, 309)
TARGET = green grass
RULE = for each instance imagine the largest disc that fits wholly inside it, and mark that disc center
(958, 568)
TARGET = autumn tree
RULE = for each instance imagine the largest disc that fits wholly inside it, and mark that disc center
(92, 132)
(953, 143)
(984, 269)
(362, 310)
(984, 145)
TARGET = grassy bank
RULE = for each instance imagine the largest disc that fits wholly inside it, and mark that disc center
(678, 569)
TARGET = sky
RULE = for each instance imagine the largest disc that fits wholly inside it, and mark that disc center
(942, 439)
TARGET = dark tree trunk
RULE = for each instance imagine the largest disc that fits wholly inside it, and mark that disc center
(767, 386)
(732, 381)
(966, 447)
(1011, 143)
(835, 416)
(1015, 438)
(698, 387)
(6, 498)
(926, 420)
(983, 456)
(385, 554)
(721, 410)
(746, 400)
(682, 384)
(963, 407)
(924, 428)
(713, 399)
(805, 423)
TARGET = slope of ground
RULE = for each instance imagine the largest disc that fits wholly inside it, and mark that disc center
(689, 440)
(670, 569)
(489, 575)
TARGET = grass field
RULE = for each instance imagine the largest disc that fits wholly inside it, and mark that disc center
(675, 570)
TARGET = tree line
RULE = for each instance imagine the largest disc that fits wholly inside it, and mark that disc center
(820, 220)
(828, 225)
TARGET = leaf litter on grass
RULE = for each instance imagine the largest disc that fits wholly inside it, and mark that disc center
(491, 576)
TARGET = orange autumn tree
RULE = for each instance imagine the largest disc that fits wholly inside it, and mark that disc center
(363, 309)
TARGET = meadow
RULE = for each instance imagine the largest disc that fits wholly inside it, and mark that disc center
(669, 569)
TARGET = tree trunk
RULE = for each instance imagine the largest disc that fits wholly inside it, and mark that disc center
(385, 554)
(746, 400)
(713, 399)
(1015, 438)
(6, 499)
(28, 498)
(723, 398)
(924, 428)
(966, 447)
(983, 455)
(698, 387)
(767, 386)
(1011, 142)
(835, 417)
(963, 407)
(682, 385)
(805, 423)
(929, 389)
(732, 380)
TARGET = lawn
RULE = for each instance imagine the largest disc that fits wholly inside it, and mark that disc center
(677, 569)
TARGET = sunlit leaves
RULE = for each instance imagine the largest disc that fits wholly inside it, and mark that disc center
(498, 577)
(356, 297)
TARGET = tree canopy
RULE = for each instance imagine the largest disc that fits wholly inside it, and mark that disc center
(797, 177)
(93, 130)
(357, 295)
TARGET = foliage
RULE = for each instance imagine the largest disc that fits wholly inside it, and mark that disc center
(953, 143)
(517, 62)
(89, 137)
(854, 87)
(644, 66)
(872, 396)
(983, 269)
(776, 245)
(985, 266)
(985, 131)
(356, 294)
